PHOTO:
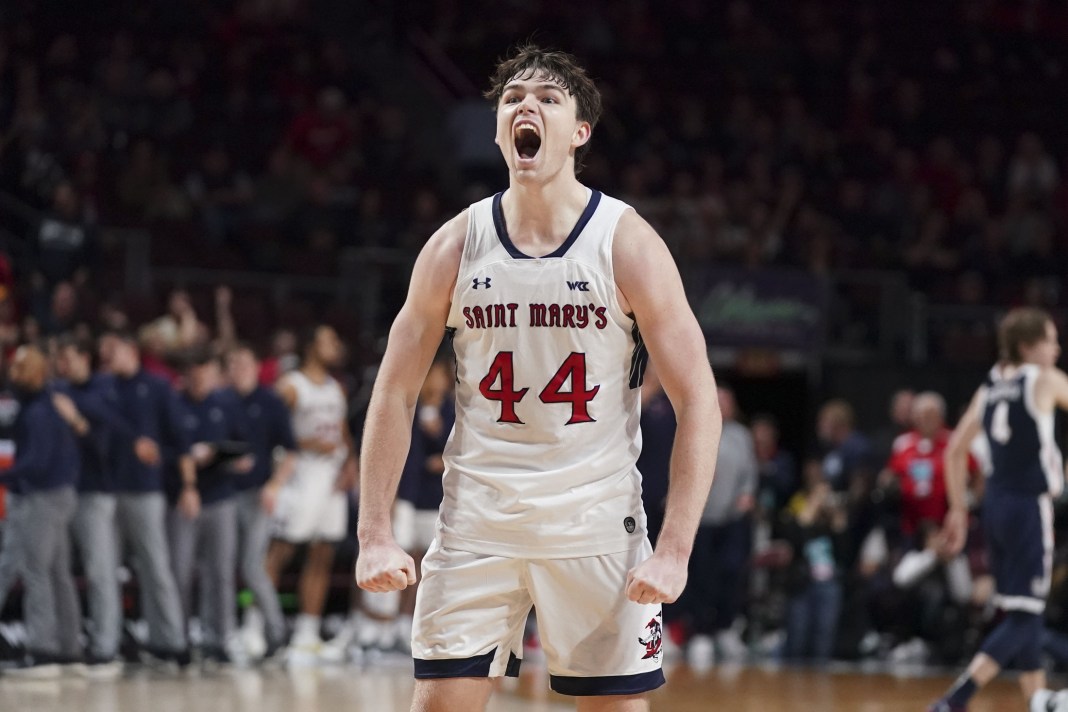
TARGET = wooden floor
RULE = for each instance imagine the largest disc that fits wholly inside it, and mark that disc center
(388, 689)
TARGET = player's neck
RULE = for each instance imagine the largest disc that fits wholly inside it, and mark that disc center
(315, 371)
(540, 216)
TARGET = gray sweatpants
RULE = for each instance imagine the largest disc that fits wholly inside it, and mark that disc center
(10, 548)
(50, 604)
(95, 535)
(254, 531)
(141, 518)
(206, 547)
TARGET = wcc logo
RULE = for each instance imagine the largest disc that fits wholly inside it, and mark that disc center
(655, 638)
(476, 282)
(578, 286)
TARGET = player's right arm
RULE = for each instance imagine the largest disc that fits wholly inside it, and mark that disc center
(956, 460)
(1052, 385)
(413, 340)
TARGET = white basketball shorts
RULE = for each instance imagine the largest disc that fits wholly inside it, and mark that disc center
(471, 610)
(310, 508)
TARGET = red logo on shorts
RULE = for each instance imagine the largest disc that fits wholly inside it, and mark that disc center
(652, 643)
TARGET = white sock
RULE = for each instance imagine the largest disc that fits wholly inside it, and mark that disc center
(307, 626)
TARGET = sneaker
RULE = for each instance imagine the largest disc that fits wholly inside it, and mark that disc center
(215, 658)
(1049, 701)
(730, 647)
(336, 650)
(275, 653)
(701, 652)
(304, 650)
(95, 668)
(34, 667)
(165, 660)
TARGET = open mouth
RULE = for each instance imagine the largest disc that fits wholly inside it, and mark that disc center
(527, 141)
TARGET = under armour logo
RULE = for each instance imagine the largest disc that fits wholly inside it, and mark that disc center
(578, 286)
(476, 282)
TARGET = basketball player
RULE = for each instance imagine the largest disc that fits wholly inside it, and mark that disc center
(1014, 408)
(312, 508)
(543, 288)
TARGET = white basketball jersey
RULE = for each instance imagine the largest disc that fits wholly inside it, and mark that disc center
(541, 461)
(319, 413)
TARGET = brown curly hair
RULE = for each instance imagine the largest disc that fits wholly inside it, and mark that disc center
(530, 60)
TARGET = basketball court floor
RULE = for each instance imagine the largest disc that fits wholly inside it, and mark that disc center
(387, 688)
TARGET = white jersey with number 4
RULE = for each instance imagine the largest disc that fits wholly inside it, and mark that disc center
(541, 461)
(318, 413)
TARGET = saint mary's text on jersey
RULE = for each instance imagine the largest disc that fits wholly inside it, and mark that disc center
(565, 316)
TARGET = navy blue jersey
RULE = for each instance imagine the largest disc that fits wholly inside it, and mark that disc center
(152, 409)
(212, 420)
(46, 449)
(267, 423)
(1024, 455)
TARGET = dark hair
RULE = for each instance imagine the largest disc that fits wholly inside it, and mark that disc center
(239, 346)
(80, 345)
(1020, 327)
(123, 335)
(308, 335)
(529, 60)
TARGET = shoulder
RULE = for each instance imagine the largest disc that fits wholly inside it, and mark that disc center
(155, 382)
(903, 442)
(633, 234)
(446, 246)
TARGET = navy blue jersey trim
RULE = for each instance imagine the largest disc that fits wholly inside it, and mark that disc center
(477, 666)
(639, 359)
(608, 685)
(502, 229)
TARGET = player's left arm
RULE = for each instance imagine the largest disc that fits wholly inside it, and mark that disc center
(652, 291)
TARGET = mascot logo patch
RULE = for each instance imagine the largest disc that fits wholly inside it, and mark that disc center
(655, 638)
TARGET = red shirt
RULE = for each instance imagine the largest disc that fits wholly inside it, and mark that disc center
(919, 464)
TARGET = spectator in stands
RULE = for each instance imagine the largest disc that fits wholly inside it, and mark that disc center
(915, 474)
(847, 463)
(149, 404)
(720, 559)
(815, 525)
(46, 474)
(323, 135)
(64, 243)
(778, 470)
(899, 422)
(937, 588)
(221, 192)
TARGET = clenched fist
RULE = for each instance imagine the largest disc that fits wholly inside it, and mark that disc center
(658, 579)
(383, 566)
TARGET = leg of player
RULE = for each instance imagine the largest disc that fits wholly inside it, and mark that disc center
(279, 555)
(615, 703)
(1031, 682)
(315, 578)
(458, 694)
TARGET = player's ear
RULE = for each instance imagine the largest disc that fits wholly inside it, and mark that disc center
(582, 134)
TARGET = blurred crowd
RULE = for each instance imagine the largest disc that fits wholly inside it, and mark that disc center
(264, 136)
(255, 135)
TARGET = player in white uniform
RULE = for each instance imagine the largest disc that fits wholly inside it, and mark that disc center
(312, 508)
(544, 288)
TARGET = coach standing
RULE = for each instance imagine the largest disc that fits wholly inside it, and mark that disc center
(46, 471)
(149, 403)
